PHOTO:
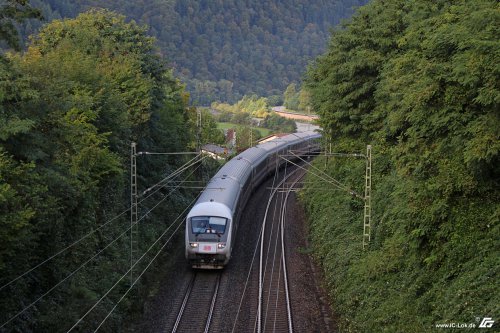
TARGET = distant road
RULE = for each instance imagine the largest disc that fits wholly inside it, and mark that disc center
(280, 110)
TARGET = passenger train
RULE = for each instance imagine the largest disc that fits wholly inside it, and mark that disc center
(212, 222)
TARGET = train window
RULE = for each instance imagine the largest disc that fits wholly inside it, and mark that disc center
(218, 224)
(208, 224)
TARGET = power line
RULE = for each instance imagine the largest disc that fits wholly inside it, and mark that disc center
(86, 262)
(181, 169)
(66, 278)
(90, 233)
(174, 173)
(166, 196)
(178, 153)
(63, 250)
(142, 273)
(128, 271)
(330, 179)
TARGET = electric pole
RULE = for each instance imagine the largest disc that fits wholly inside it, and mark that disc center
(198, 125)
(368, 190)
(133, 209)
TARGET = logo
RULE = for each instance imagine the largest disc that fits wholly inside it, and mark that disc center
(486, 323)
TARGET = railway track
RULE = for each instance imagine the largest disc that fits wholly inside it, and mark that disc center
(197, 308)
(247, 299)
(274, 312)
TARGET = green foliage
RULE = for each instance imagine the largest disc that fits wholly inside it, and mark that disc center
(418, 81)
(246, 137)
(275, 100)
(262, 131)
(12, 12)
(250, 105)
(242, 113)
(225, 49)
(69, 108)
(209, 131)
(279, 124)
(298, 100)
(16, 212)
(14, 89)
(291, 97)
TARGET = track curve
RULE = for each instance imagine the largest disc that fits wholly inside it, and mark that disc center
(236, 305)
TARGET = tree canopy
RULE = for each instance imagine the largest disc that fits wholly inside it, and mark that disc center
(70, 106)
(419, 82)
(14, 12)
(225, 49)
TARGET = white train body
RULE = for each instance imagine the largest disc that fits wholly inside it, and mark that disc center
(212, 222)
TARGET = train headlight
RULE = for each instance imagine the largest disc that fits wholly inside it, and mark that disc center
(193, 245)
(221, 245)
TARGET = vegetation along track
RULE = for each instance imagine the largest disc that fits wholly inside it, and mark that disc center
(196, 311)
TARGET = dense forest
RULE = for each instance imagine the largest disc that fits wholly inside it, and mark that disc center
(419, 81)
(70, 106)
(224, 49)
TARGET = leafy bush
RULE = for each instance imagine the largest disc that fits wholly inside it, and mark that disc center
(421, 87)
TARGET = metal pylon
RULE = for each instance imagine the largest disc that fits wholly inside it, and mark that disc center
(368, 190)
(198, 126)
(134, 232)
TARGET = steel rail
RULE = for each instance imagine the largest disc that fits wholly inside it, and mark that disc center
(212, 305)
(285, 272)
(188, 298)
(271, 197)
(184, 302)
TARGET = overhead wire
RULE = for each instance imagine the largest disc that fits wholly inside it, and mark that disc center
(249, 272)
(181, 169)
(279, 201)
(328, 178)
(166, 196)
(132, 267)
(336, 182)
(257, 323)
(140, 275)
(66, 278)
(128, 271)
(87, 235)
(63, 250)
(86, 262)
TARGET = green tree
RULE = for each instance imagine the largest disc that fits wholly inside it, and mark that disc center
(22, 194)
(419, 82)
(275, 100)
(85, 88)
(279, 124)
(226, 49)
(246, 137)
(304, 100)
(12, 12)
(241, 118)
(291, 97)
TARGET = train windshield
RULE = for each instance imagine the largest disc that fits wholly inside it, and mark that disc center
(208, 225)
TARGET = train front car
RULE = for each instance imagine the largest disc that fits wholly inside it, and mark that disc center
(208, 230)
(210, 224)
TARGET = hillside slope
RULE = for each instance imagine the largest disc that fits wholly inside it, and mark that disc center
(418, 80)
(225, 49)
